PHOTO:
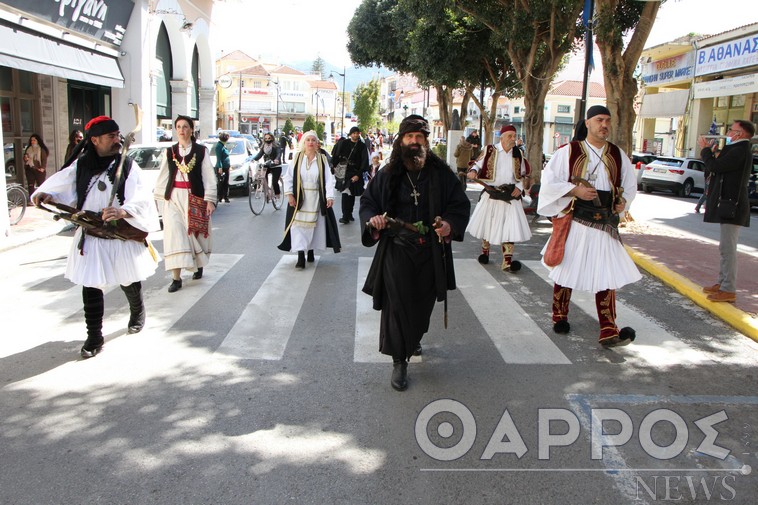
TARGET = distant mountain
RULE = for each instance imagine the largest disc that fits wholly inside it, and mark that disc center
(353, 75)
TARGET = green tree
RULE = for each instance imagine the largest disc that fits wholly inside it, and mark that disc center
(319, 67)
(415, 33)
(366, 105)
(288, 126)
(535, 34)
(320, 130)
(309, 123)
(614, 19)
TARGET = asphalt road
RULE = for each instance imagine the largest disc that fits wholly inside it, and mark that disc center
(260, 384)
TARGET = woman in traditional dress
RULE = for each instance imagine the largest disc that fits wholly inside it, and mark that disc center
(186, 170)
(309, 188)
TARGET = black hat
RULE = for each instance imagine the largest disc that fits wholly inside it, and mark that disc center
(354, 129)
(596, 110)
(414, 123)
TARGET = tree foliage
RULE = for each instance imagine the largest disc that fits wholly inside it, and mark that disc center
(288, 126)
(440, 45)
(614, 19)
(536, 35)
(319, 67)
(366, 105)
(309, 123)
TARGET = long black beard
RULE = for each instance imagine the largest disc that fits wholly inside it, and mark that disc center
(413, 156)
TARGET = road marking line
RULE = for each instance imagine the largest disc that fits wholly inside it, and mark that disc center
(265, 325)
(515, 335)
(367, 321)
(654, 345)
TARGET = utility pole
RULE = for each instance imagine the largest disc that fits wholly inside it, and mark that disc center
(239, 107)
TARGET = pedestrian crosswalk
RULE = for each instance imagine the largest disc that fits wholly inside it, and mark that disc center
(521, 333)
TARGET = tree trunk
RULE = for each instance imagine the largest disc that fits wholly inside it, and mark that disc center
(445, 104)
(619, 65)
(534, 123)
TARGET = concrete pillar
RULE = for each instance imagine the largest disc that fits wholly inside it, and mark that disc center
(207, 111)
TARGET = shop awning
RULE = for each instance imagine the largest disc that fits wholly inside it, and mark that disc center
(41, 55)
(670, 104)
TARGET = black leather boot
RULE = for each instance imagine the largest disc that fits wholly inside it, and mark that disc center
(399, 379)
(311, 258)
(133, 294)
(300, 259)
(199, 274)
(94, 308)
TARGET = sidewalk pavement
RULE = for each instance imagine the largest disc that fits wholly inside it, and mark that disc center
(683, 261)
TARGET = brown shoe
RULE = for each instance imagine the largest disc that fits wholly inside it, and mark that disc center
(712, 289)
(722, 296)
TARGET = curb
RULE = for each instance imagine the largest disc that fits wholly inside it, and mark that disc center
(731, 315)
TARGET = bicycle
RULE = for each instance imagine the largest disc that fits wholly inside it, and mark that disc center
(260, 191)
(17, 202)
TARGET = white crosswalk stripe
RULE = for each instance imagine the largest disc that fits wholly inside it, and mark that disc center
(516, 336)
(653, 346)
(265, 326)
(366, 322)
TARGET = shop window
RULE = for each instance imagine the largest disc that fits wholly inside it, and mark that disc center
(5, 109)
(27, 116)
(6, 79)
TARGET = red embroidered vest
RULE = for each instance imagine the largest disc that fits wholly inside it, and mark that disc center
(579, 158)
(489, 164)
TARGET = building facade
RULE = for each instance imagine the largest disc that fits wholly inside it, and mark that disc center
(63, 63)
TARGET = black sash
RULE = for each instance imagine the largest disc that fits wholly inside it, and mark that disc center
(601, 218)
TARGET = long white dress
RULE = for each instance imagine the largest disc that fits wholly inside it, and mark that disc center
(594, 261)
(308, 230)
(497, 221)
(181, 250)
(104, 262)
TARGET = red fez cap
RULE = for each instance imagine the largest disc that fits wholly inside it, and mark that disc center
(507, 128)
(100, 126)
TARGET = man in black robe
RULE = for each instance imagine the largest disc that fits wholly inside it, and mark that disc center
(411, 268)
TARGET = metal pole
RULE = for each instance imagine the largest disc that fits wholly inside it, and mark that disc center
(239, 110)
(342, 119)
(277, 104)
(587, 58)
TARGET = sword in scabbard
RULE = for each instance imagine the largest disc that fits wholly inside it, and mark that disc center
(584, 182)
(488, 186)
(437, 224)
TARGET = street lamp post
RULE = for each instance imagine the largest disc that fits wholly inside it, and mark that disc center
(276, 85)
(342, 119)
(317, 98)
(239, 112)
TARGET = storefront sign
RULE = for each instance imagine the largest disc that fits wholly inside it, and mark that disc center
(738, 53)
(669, 70)
(741, 85)
(104, 20)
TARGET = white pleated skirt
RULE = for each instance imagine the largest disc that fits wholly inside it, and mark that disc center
(594, 261)
(496, 221)
(108, 262)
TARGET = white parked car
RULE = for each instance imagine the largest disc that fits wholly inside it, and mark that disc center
(680, 175)
(240, 150)
(639, 162)
(148, 158)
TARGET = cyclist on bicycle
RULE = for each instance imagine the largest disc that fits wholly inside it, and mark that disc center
(272, 161)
